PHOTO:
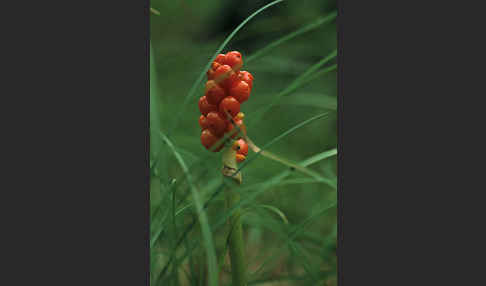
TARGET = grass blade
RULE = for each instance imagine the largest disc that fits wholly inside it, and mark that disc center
(318, 74)
(292, 35)
(203, 220)
(319, 157)
(257, 115)
(277, 211)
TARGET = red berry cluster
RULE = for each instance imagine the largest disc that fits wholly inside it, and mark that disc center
(227, 87)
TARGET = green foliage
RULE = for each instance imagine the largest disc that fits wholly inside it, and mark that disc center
(288, 202)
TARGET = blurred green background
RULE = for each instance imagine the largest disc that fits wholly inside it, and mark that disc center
(184, 37)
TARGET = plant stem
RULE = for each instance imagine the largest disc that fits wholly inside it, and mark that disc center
(235, 238)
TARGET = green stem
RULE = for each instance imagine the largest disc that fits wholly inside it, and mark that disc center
(235, 239)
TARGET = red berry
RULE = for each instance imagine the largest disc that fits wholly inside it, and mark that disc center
(222, 73)
(229, 104)
(205, 107)
(216, 124)
(231, 80)
(234, 60)
(208, 139)
(234, 132)
(246, 77)
(220, 58)
(214, 67)
(240, 90)
(243, 147)
(240, 158)
(203, 122)
(214, 92)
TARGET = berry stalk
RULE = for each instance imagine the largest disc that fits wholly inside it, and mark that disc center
(235, 237)
(222, 125)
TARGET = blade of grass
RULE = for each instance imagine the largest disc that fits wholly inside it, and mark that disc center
(193, 89)
(293, 234)
(155, 143)
(154, 11)
(276, 211)
(319, 157)
(301, 79)
(294, 248)
(257, 115)
(273, 279)
(297, 181)
(318, 74)
(203, 220)
(157, 152)
(302, 30)
(316, 100)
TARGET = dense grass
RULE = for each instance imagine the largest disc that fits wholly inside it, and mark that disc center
(288, 195)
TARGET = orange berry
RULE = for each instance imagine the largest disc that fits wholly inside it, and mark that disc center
(210, 72)
(235, 146)
(243, 147)
(214, 92)
(240, 90)
(203, 122)
(234, 60)
(208, 139)
(231, 80)
(215, 65)
(216, 123)
(229, 104)
(222, 73)
(240, 158)
(205, 107)
(234, 132)
(220, 58)
(246, 77)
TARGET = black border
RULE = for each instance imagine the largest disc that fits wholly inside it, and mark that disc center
(77, 166)
(146, 94)
(340, 145)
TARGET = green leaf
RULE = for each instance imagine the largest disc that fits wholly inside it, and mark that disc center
(277, 211)
(203, 220)
(154, 11)
(257, 115)
(319, 157)
(306, 28)
(312, 100)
